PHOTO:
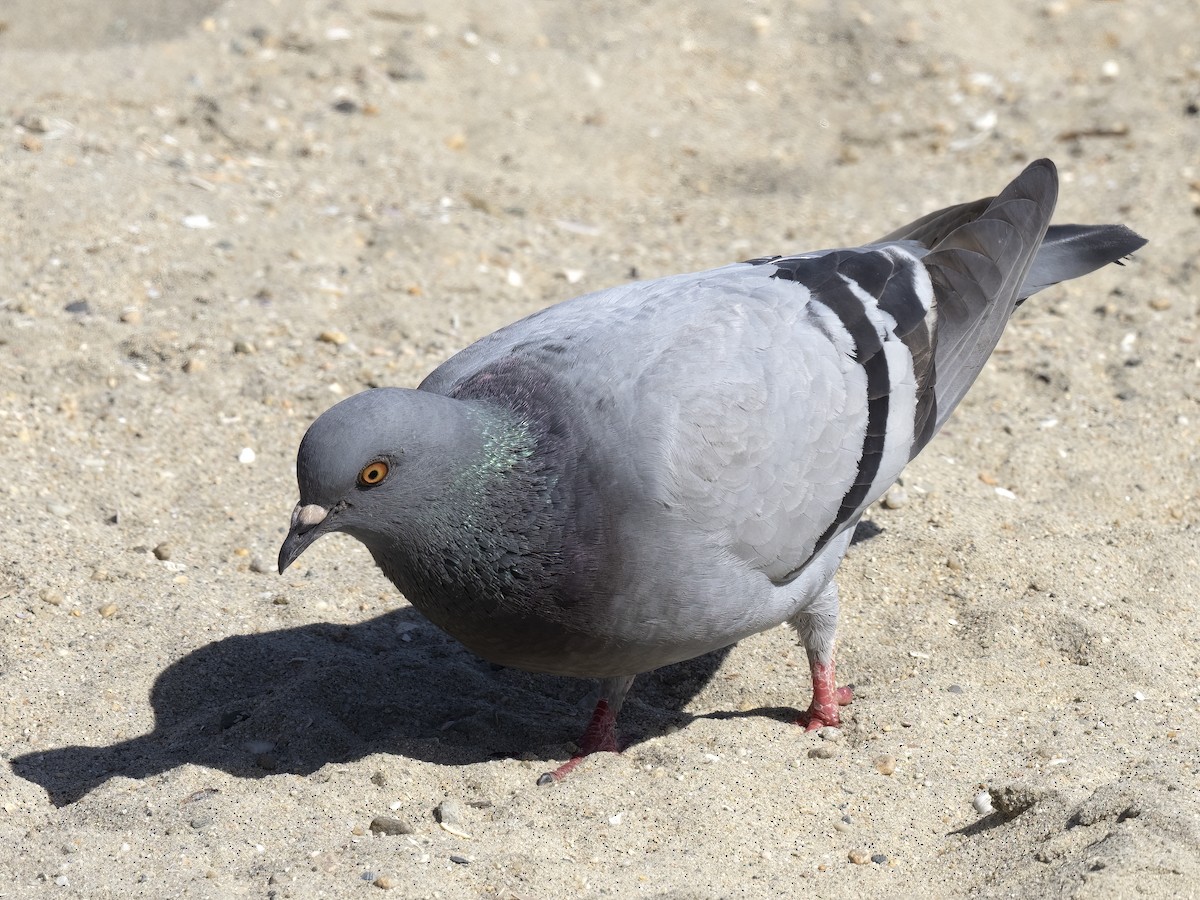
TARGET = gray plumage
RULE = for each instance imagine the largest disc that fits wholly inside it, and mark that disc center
(650, 472)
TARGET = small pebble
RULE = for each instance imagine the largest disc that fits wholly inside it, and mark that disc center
(247, 456)
(201, 822)
(449, 811)
(246, 348)
(859, 857)
(162, 551)
(192, 366)
(337, 338)
(878, 858)
(59, 509)
(829, 733)
(391, 825)
(202, 794)
(843, 827)
(386, 882)
(449, 815)
(108, 610)
(132, 317)
(985, 122)
(197, 221)
(824, 751)
(895, 498)
(885, 763)
(1014, 799)
(32, 122)
(258, 566)
(459, 860)
(955, 689)
(51, 596)
(983, 803)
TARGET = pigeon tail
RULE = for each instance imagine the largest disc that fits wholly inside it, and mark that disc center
(986, 258)
(1071, 251)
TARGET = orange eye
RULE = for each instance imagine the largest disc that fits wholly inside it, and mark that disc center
(373, 473)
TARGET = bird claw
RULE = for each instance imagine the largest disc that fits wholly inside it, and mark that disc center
(819, 715)
(599, 737)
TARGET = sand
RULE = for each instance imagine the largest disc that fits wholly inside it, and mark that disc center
(217, 219)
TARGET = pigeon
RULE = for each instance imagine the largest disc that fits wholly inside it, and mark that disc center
(651, 472)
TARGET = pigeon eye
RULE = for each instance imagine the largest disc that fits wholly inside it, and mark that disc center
(373, 473)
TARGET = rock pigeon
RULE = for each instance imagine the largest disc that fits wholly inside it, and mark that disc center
(647, 473)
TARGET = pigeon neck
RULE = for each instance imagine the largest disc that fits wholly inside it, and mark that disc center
(484, 541)
(496, 460)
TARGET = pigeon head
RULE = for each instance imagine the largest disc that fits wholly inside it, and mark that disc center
(374, 462)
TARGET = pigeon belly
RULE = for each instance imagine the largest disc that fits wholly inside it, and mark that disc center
(655, 616)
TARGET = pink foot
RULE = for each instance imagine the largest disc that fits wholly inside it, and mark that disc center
(599, 737)
(827, 697)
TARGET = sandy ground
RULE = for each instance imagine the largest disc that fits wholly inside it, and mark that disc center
(216, 219)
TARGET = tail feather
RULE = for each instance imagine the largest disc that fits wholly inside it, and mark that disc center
(1070, 251)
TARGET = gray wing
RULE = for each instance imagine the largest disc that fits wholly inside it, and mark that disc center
(874, 307)
(977, 270)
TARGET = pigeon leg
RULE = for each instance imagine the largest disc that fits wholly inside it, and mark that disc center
(827, 696)
(817, 627)
(601, 734)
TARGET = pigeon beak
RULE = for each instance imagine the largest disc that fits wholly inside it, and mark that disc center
(303, 532)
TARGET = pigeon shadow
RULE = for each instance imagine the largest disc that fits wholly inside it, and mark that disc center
(297, 699)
